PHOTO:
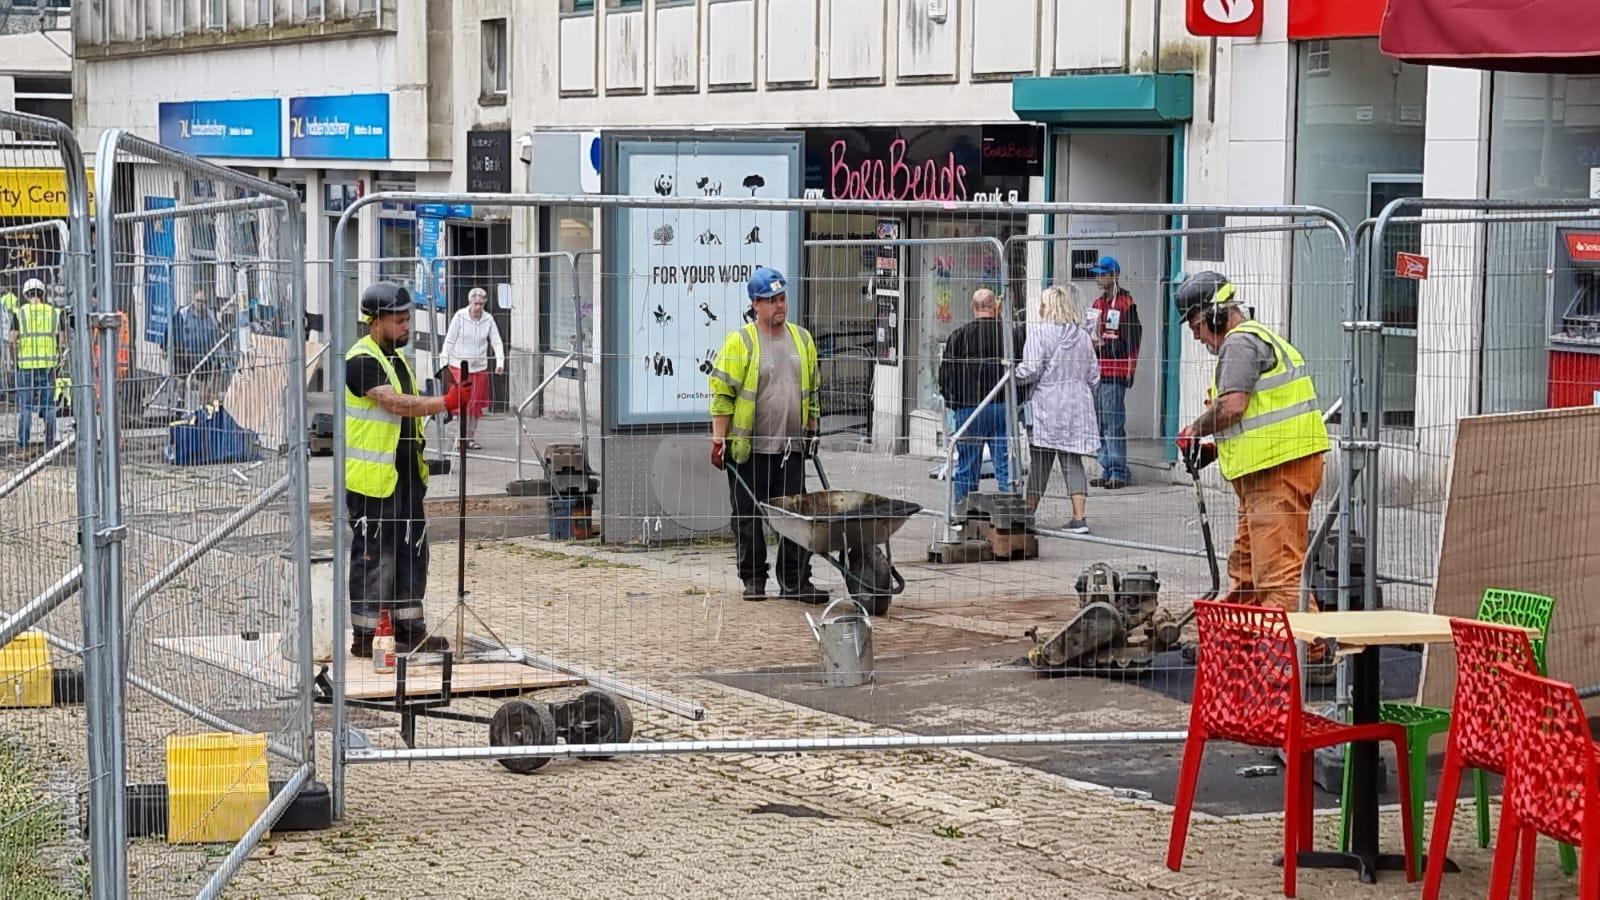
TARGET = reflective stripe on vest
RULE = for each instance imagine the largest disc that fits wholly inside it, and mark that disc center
(372, 434)
(37, 324)
(1282, 421)
(735, 377)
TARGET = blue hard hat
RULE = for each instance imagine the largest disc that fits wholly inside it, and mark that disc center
(1107, 265)
(766, 283)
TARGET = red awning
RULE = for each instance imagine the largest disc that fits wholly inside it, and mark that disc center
(1317, 19)
(1507, 35)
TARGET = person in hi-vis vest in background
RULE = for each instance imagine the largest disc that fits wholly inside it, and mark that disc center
(386, 476)
(1270, 440)
(765, 417)
(36, 336)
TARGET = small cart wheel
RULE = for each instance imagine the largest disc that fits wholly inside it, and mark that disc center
(518, 723)
(600, 717)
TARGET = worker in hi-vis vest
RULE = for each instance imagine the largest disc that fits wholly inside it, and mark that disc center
(386, 476)
(1269, 440)
(36, 336)
(765, 417)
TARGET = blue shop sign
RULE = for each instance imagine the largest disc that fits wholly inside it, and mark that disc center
(355, 126)
(444, 210)
(240, 128)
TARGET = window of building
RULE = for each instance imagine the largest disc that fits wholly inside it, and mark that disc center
(43, 96)
(577, 6)
(1319, 58)
(217, 14)
(496, 58)
(625, 4)
(1359, 132)
(314, 10)
(568, 229)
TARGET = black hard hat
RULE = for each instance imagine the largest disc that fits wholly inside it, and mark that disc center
(1203, 290)
(384, 297)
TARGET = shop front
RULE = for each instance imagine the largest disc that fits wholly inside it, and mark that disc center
(882, 314)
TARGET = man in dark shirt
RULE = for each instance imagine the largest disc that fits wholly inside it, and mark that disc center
(1116, 336)
(386, 476)
(973, 362)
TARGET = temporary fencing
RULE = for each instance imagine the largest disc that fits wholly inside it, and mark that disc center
(208, 498)
(617, 622)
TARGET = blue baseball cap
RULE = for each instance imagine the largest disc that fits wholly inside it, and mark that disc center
(1107, 265)
(766, 283)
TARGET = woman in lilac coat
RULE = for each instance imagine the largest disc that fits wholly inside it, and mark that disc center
(1059, 360)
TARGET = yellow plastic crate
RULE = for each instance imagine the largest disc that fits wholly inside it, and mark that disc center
(217, 786)
(26, 676)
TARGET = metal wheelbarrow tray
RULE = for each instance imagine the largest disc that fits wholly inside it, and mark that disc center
(830, 521)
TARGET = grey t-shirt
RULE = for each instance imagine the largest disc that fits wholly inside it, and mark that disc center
(1241, 362)
(779, 406)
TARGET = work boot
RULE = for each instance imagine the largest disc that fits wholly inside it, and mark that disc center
(755, 590)
(1114, 484)
(806, 592)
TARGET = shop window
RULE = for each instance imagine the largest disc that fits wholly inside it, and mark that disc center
(569, 229)
(1359, 133)
(496, 59)
(397, 239)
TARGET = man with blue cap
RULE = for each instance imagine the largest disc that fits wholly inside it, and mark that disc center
(765, 415)
(1116, 333)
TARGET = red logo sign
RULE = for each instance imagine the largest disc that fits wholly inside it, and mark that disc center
(1583, 246)
(1411, 265)
(1224, 18)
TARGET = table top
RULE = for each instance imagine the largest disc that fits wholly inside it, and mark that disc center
(1374, 628)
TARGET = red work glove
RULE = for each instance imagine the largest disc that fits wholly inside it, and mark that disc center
(718, 448)
(1187, 439)
(454, 399)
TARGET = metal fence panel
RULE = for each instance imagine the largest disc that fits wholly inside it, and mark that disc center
(508, 581)
(208, 491)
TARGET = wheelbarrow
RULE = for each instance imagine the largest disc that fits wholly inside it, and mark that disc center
(850, 529)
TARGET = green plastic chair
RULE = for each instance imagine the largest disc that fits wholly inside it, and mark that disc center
(1422, 723)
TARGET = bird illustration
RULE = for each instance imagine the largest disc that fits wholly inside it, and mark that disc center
(661, 314)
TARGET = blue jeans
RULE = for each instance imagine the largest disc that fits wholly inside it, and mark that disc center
(990, 428)
(35, 391)
(1112, 414)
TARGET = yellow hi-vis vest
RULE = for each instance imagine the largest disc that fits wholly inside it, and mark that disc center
(734, 378)
(1282, 421)
(37, 324)
(372, 433)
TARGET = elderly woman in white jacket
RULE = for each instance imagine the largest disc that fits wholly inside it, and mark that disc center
(472, 333)
(1059, 359)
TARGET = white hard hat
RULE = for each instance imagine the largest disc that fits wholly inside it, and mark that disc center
(31, 285)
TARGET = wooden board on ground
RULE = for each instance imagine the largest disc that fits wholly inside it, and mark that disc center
(255, 396)
(260, 660)
(1522, 514)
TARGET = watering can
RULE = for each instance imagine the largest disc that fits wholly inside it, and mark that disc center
(846, 642)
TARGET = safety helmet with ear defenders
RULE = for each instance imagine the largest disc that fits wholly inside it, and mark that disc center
(383, 297)
(1210, 292)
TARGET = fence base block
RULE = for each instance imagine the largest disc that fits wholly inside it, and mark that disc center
(312, 809)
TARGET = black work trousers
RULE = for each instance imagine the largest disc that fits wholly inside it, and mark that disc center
(769, 475)
(388, 564)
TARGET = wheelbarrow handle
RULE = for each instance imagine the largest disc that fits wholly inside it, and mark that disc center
(816, 460)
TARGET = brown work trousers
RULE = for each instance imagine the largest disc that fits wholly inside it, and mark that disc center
(1270, 549)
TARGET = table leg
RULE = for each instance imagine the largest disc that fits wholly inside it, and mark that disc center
(1363, 857)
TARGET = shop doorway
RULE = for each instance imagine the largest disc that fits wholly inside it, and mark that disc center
(1123, 167)
(493, 240)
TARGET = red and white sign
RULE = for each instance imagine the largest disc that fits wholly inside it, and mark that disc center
(1321, 19)
(1411, 265)
(1583, 246)
(1224, 18)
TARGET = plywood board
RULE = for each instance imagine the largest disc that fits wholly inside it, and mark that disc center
(260, 660)
(1372, 628)
(1524, 513)
(256, 393)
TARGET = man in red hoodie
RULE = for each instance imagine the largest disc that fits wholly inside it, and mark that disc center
(1117, 334)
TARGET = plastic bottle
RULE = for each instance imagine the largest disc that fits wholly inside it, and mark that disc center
(383, 644)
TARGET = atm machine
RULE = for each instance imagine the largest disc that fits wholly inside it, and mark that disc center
(1575, 318)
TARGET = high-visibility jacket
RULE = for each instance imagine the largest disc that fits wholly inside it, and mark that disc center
(1281, 422)
(372, 433)
(734, 378)
(37, 324)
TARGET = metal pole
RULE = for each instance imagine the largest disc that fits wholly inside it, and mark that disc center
(300, 475)
(241, 851)
(103, 681)
(33, 468)
(40, 606)
(338, 321)
(774, 745)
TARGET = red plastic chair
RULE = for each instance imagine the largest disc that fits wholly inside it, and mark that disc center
(1480, 722)
(1247, 690)
(1553, 776)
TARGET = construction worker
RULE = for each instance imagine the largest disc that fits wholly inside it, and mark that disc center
(386, 476)
(1262, 410)
(36, 336)
(765, 415)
